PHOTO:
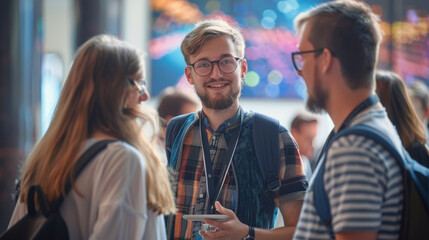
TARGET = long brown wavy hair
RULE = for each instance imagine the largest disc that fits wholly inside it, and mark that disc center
(93, 99)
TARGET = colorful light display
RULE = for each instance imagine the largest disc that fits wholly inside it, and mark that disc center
(267, 27)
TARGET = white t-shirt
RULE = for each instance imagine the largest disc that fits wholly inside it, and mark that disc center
(111, 203)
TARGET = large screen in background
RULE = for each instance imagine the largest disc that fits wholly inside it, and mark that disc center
(267, 27)
(410, 40)
(405, 46)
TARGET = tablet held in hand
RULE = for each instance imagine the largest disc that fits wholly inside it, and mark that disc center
(200, 217)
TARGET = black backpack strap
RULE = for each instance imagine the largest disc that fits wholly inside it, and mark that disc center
(31, 206)
(83, 161)
(267, 147)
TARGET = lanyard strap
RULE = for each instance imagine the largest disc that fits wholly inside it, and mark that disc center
(212, 192)
(373, 99)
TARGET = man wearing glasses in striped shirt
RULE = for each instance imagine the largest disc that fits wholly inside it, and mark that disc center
(338, 50)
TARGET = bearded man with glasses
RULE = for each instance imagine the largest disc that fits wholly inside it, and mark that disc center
(213, 157)
(355, 191)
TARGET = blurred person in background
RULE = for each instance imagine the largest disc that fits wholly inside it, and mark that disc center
(304, 131)
(173, 102)
(419, 94)
(124, 191)
(393, 95)
(176, 101)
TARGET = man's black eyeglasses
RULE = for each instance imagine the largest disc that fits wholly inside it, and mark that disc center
(141, 86)
(205, 67)
(297, 58)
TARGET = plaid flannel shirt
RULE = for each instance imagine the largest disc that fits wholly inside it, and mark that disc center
(190, 183)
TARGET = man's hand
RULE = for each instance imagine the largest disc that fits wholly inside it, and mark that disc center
(229, 229)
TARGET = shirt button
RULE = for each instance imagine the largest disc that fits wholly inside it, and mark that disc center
(201, 195)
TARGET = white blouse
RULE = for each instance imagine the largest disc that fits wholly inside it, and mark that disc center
(110, 202)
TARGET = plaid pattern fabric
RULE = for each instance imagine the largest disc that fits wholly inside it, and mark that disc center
(243, 189)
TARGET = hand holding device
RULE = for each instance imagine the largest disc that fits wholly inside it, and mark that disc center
(228, 229)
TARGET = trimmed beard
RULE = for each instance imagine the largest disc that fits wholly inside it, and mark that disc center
(219, 104)
(316, 103)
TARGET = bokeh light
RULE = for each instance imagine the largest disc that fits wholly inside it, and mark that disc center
(212, 6)
(268, 23)
(269, 14)
(252, 21)
(412, 16)
(287, 6)
(272, 90)
(268, 29)
(252, 79)
(275, 77)
(300, 88)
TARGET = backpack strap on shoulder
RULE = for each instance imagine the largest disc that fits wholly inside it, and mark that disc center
(402, 157)
(174, 135)
(404, 161)
(320, 198)
(266, 141)
(83, 161)
(31, 206)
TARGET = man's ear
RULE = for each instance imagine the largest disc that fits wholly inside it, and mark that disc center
(243, 70)
(328, 60)
(293, 131)
(188, 75)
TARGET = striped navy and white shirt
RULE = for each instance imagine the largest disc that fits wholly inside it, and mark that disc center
(363, 184)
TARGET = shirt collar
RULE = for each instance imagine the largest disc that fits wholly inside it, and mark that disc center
(234, 120)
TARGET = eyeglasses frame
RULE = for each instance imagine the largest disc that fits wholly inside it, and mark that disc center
(212, 64)
(301, 53)
(142, 89)
(304, 52)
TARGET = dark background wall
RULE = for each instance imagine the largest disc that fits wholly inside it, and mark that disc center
(20, 59)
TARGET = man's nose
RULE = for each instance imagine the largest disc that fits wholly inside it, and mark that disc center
(216, 72)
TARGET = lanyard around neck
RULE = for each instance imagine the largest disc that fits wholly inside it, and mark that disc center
(212, 192)
(373, 99)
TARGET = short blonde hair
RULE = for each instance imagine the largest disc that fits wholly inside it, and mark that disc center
(207, 30)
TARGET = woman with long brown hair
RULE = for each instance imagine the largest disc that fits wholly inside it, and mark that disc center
(125, 189)
(392, 92)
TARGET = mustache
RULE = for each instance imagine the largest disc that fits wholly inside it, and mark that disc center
(212, 80)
